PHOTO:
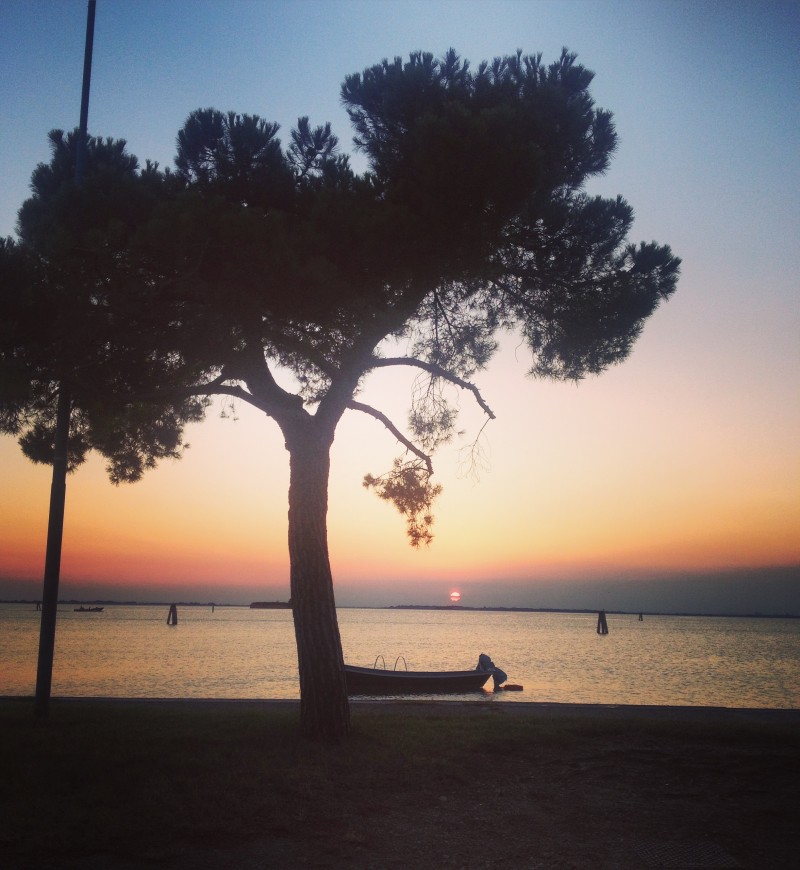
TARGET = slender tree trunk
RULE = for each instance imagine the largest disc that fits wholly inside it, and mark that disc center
(324, 711)
(52, 563)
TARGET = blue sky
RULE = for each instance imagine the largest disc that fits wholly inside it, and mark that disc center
(690, 449)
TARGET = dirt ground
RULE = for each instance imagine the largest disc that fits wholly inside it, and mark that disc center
(685, 796)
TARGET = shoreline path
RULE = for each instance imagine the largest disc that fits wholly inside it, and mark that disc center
(423, 707)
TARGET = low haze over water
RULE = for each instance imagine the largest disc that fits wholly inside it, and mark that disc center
(236, 652)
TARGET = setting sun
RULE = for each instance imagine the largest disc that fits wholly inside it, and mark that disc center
(455, 596)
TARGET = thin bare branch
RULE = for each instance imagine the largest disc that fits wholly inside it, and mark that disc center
(473, 457)
(382, 418)
(438, 372)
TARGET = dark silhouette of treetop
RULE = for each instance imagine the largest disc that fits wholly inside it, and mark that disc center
(470, 222)
(62, 307)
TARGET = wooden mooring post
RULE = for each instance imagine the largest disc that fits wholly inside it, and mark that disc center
(602, 625)
(172, 617)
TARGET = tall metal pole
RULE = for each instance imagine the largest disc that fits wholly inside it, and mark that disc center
(58, 488)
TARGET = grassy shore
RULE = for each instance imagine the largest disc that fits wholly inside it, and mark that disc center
(230, 784)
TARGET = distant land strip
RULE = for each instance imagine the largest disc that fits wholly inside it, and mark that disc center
(283, 605)
(586, 610)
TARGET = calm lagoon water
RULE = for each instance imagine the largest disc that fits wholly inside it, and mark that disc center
(235, 652)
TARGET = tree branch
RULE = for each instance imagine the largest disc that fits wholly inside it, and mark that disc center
(267, 397)
(382, 418)
(251, 367)
(218, 387)
(437, 372)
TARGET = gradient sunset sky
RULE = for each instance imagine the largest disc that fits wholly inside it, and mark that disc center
(620, 492)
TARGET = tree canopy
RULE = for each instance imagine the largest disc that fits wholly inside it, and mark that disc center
(63, 289)
(166, 287)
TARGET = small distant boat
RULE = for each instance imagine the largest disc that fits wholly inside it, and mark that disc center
(379, 681)
(83, 609)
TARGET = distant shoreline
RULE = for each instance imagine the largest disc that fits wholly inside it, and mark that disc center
(445, 607)
(584, 610)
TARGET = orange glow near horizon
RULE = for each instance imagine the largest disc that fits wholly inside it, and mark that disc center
(148, 534)
(553, 503)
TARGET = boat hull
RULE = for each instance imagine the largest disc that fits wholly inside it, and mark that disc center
(374, 681)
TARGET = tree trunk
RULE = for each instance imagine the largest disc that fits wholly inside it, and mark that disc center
(324, 711)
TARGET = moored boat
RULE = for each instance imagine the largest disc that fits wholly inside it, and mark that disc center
(379, 681)
(376, 681)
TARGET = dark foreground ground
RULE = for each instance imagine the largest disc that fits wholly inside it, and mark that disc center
(188, 784)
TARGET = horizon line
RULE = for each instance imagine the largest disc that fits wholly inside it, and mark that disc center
(445, 607)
